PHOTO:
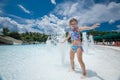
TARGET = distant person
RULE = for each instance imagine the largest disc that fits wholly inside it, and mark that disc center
(77, 44)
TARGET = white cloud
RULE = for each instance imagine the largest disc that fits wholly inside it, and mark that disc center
(52, 23)
(73, 8)
(15, 26)
(96, 13)
(47, 24)
(118, 26)
(53, 2)
(24, 9)
(1, 11)
(111, 21)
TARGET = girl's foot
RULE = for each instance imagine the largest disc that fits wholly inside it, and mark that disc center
(71, 70)
(83, 76)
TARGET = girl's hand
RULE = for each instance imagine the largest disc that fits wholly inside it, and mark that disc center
(96, 25)
(62, 42)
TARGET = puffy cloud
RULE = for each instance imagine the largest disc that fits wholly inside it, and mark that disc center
(52, 24)
(14, 26)
(47, 24)
(95, 12)
(118, 26)
(73, 8)
(53, 2)
(111, 21)
(86, 14)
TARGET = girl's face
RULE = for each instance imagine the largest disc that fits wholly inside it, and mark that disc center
(73, 25)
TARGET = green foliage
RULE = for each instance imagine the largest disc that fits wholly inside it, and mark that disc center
(5, 31)
(99, 36)
(31, 37)
(28, 37)
(15, 35)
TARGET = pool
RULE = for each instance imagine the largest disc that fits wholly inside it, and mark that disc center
(45, 62)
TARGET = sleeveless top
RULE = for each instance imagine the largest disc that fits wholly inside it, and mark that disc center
(74, 34)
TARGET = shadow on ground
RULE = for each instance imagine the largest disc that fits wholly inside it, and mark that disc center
(90, 73)
(1, 78)
(119, 78)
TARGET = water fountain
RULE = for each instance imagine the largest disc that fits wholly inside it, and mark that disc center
(91, 41)
(54, 40)
(85, 42)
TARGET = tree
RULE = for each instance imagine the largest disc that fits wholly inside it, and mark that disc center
(98, 38)
(5, 31)
(15, 35)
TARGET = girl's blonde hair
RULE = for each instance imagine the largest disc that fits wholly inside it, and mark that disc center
(73, 19)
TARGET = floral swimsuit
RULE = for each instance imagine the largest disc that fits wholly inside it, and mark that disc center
(74, 34)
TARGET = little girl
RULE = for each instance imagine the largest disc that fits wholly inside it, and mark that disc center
(77, 44)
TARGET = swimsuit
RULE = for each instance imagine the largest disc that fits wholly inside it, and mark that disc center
(75, 47)
(74, 34)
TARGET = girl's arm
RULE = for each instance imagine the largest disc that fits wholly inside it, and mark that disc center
(89, 28)
(68, 36)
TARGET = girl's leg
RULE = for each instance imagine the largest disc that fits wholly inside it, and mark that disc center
(79, 56)
(72, 59)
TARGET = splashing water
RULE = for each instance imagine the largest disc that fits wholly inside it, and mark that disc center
(55, 39)
(91, 41)
(85, 42)
(63, 49)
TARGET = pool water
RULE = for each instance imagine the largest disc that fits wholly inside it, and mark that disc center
(45, 62)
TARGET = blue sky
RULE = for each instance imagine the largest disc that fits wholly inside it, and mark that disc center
(44, 16)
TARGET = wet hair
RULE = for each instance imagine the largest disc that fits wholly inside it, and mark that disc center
(73, 19)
